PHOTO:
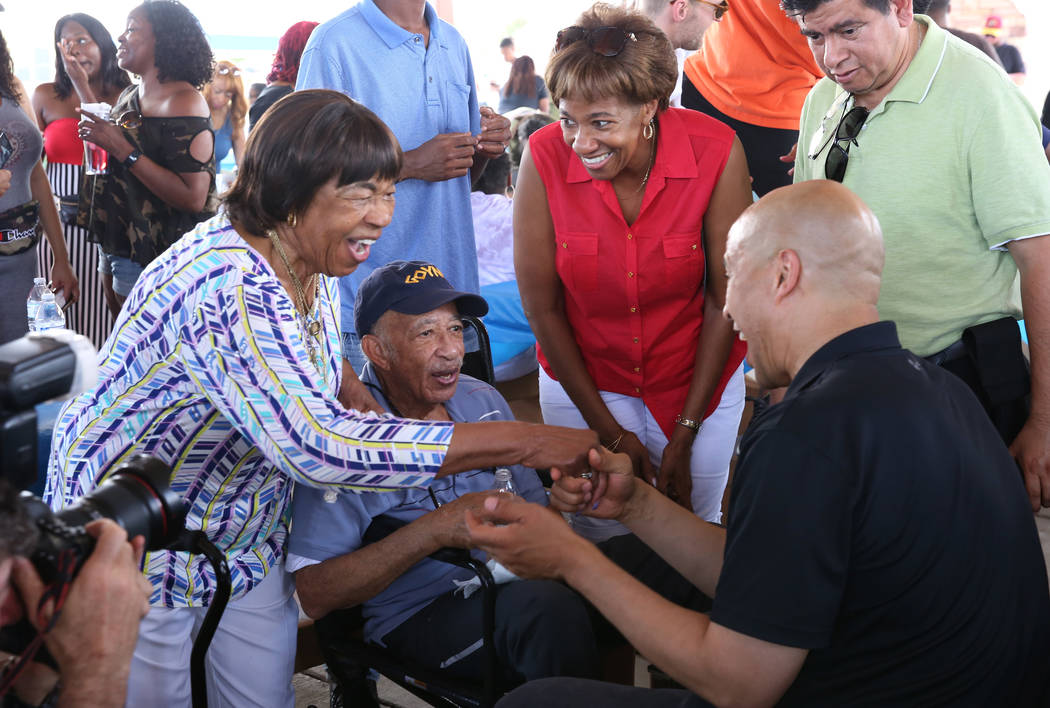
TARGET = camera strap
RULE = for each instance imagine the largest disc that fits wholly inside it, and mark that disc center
(58, 590)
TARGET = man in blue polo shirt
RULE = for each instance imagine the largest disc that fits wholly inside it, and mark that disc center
(409, 319)
(414, 71)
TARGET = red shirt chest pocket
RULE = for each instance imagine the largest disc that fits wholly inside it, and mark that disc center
(576, 259)
(683, 260)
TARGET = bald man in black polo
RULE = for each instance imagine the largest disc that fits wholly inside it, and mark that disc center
(880, 549)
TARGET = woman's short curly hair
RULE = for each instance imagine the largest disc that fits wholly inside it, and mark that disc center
(644, 71)
(181, 51)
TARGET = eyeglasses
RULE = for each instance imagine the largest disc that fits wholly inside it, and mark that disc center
(846, 132)
(607, 41)
(228, 71)
(130, 119)
(721, 8)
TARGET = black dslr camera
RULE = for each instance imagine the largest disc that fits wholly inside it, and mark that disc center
(136, 495)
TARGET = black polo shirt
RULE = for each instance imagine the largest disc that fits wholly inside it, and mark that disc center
(878, 520)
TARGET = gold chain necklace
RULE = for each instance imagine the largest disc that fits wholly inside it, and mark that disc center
(310, 325)
(652, 158)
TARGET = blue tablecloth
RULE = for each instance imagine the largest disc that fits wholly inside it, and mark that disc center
(513, 344)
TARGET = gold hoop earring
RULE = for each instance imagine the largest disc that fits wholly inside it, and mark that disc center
(293, 220)
(649, 130)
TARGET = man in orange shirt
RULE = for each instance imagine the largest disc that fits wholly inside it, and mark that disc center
(753, 73)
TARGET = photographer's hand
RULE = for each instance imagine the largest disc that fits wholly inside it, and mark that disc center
(96, 632)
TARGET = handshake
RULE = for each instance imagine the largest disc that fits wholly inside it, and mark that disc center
(533, 541)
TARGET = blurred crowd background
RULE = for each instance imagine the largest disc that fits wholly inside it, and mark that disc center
(247, 33)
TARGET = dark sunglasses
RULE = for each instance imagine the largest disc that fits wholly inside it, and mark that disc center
(607, 41)
(846, 132)
(721, 8)
(129, 119)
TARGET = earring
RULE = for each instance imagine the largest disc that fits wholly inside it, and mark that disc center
(649, 130)
(293, 220)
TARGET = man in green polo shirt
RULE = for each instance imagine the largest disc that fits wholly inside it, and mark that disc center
(947, 153)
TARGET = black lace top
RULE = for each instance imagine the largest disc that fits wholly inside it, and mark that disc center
(120, 212)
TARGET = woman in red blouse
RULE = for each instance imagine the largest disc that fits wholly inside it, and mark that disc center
(620, 220)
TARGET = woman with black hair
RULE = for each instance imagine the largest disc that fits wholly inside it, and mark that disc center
(85, 71)
(161, 176)
(26, 204)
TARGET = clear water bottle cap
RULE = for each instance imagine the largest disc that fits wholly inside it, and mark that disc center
(39, 281)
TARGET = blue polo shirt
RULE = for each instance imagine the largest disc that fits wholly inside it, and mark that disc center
(327, 524)
(419, 91)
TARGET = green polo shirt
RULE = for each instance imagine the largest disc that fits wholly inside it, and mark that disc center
(952, 164)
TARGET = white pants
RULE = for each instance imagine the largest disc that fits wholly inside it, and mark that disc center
(250, 660)
(712, 449)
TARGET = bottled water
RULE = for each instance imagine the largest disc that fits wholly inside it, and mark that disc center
(49, 315)
(36, 294)
(504, 483)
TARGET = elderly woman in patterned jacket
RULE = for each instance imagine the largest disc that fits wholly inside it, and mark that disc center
(226, 364)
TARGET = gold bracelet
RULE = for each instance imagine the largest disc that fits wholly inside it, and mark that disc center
(616, 442)
(693, 425)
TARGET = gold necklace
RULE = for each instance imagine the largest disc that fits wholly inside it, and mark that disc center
(311, 325)
(652, 158)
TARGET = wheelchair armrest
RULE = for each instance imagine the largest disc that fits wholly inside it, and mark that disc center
(339, 634)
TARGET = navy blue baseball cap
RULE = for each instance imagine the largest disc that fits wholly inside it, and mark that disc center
(411, 288)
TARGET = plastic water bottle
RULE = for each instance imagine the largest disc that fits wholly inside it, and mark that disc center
(36, 294)
(504, 483)
(49, 315)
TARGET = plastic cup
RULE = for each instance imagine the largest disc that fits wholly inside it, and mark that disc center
(96, 160)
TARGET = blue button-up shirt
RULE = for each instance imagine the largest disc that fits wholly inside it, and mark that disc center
(329, 525)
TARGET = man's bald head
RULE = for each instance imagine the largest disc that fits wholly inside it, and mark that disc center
(804, 266)
(835, 235)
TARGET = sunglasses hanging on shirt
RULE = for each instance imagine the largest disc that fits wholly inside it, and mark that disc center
(845, 135)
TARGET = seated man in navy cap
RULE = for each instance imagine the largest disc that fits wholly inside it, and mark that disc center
(408, 317)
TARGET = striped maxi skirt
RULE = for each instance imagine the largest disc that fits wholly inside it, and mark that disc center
(89, 316)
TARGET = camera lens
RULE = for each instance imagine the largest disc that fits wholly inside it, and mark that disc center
(138, 498)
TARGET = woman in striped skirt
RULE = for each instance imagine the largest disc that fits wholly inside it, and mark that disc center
(85, 61)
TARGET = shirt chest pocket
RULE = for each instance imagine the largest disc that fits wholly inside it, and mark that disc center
(457, 107)
(577, 260)
(684, 260)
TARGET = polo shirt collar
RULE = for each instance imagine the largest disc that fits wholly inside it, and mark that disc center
(913, 87)
(868, 338)
(915, 84)
(674, 160)
(390, 32)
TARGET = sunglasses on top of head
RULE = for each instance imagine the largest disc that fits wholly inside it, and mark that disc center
(606, 41)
